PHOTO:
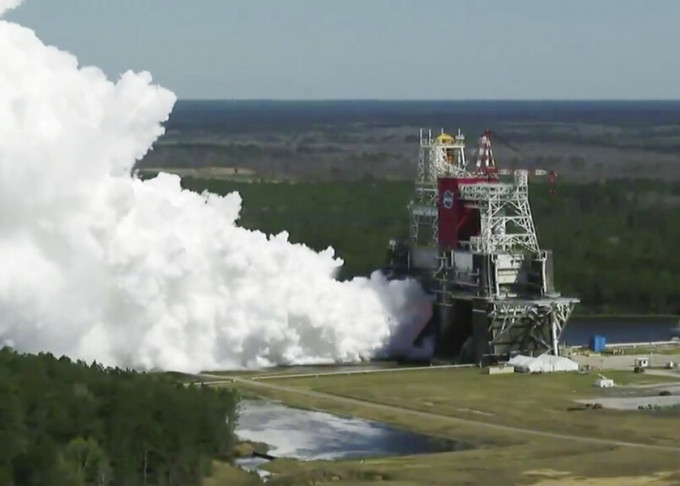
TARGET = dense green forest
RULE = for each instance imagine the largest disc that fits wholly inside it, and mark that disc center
(614, 241)
(72, 424)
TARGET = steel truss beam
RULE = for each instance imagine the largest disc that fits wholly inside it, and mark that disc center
(531, 325)
(431, 166)
(505, 214)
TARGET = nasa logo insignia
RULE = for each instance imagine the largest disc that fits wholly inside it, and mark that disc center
(447, 200)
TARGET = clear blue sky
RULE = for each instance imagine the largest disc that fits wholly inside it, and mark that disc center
(394, 49)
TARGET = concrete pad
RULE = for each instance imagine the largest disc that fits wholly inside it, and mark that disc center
(624, 362)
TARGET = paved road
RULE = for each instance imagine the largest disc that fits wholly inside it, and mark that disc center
(345, 372)
(624, 362)
(417, 413)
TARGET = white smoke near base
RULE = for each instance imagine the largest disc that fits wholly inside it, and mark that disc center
(98, 265)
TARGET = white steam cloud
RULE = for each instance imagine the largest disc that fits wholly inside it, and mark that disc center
(98, 265)
(8, 5)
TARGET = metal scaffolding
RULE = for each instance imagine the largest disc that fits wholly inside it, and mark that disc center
(505, 214)
(497, 283)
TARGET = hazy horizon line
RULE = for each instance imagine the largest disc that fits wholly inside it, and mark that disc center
(439, 100)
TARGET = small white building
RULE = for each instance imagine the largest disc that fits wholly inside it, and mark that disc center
(604, 382)
(641, 362)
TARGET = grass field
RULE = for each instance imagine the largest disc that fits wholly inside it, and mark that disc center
(539, 402)
(536, 402)
(225, 474)
(542, 463)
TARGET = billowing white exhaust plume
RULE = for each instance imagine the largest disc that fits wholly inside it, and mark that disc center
(98, 265)
(8, 4)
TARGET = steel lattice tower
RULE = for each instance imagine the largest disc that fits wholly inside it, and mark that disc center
(473, 241)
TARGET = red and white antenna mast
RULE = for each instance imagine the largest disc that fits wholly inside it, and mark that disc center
(485, 158)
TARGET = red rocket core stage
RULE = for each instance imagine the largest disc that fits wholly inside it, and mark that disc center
(457, 221)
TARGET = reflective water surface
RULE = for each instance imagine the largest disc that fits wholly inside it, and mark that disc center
(309, 435)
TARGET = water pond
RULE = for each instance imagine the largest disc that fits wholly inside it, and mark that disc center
(311, 435)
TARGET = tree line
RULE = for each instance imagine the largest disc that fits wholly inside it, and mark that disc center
(65, 423)
(614, 241)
